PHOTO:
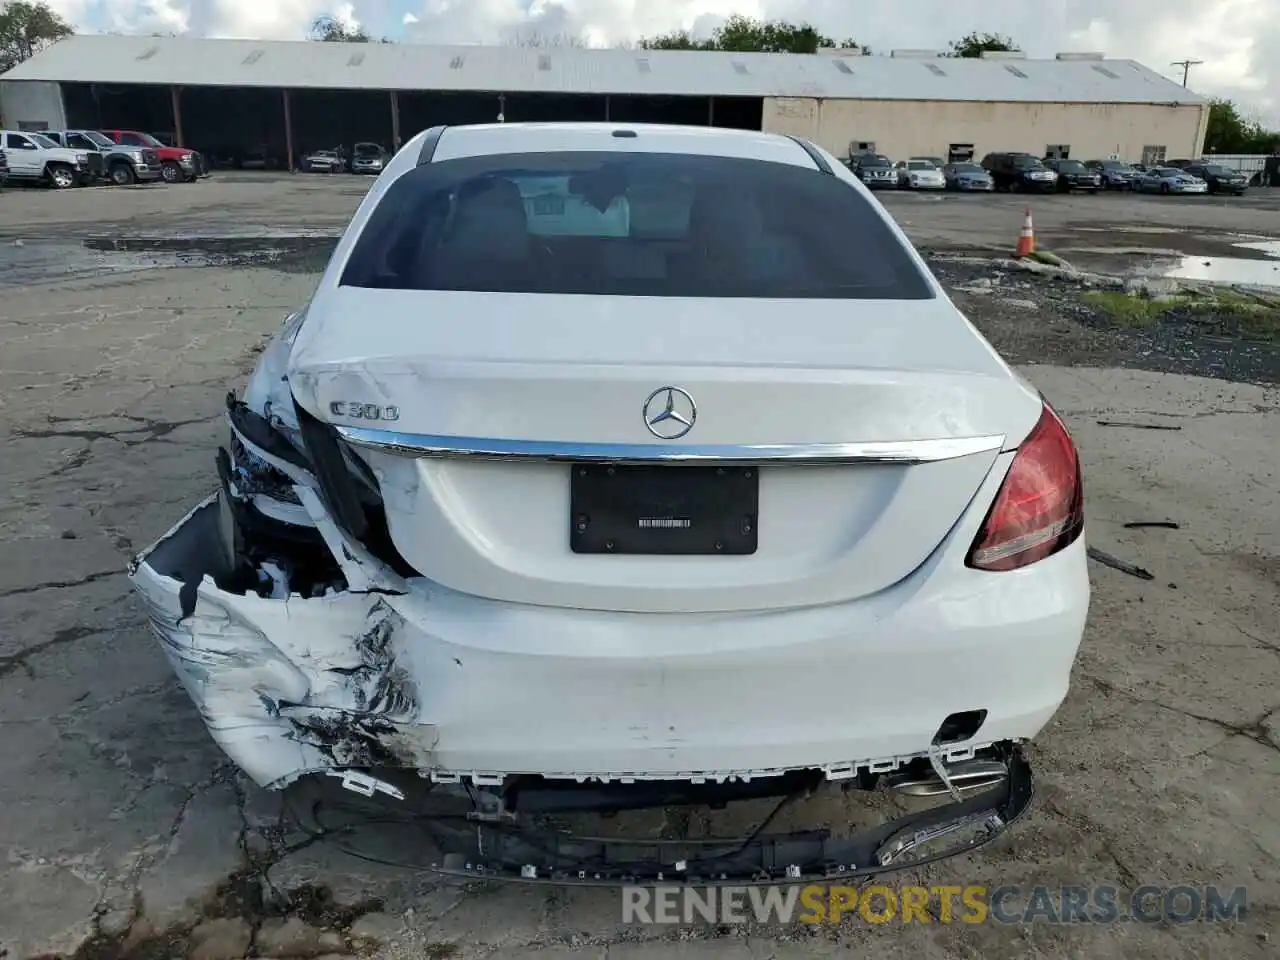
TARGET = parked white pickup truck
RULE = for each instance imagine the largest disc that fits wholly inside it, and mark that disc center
(34, 158)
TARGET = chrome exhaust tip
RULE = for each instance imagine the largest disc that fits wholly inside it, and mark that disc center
(965, 776)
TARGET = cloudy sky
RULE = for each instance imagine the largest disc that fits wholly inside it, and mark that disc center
(1238, 40)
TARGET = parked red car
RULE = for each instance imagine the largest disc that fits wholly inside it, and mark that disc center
(177, 164)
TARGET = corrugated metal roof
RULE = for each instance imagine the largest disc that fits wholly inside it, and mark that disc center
(402, 66)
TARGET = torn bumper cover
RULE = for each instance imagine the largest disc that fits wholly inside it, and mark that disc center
(285, 688)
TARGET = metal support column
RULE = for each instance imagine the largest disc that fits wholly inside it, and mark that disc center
(711, 111)
(606, 108)
(175, 102)
(288, 127)
(395, 123)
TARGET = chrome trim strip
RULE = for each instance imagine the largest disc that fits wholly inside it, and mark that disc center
(487, 448)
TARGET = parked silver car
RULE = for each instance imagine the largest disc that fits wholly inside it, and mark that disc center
(968, 177)
(368, 158)
(1171, 180)
(323, 161)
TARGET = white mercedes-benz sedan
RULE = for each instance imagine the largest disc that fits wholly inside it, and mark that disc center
(625, 465)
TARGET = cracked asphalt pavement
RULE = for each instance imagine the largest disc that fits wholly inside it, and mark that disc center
(126, 834)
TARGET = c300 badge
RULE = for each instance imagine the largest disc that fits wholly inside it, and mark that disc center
(363, 411)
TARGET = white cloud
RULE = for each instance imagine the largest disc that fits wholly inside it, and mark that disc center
(1238, 40)
(345, 14)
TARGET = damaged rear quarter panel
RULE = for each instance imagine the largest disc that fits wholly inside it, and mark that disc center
(286, 687)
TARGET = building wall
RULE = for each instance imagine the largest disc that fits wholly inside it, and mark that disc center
(31, 105)
(928, 128)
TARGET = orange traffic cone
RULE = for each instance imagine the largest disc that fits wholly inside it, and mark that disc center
(1026, 239)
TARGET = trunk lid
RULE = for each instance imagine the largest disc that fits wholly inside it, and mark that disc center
(576, 370)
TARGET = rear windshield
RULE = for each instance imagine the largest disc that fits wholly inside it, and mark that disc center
(631, 224)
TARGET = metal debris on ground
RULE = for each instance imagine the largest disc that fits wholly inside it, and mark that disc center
(1138, 426)
(1115, 563)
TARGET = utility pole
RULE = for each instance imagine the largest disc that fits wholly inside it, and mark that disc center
(1186, 66)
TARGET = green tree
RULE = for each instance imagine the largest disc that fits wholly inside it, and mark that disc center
(1227, 131)
(333, 30)
(27, 28)
(676, 40)
(975, 44)
(747, 35)
(1230, 132)
(549, 41)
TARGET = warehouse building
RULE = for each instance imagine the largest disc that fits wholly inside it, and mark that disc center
(268, 102)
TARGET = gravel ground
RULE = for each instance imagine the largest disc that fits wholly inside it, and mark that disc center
(1032, 318)
(127, 835)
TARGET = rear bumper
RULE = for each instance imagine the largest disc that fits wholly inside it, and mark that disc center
(514, 845)
(455, 686)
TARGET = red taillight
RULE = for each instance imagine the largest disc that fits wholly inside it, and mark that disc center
(1040, 507)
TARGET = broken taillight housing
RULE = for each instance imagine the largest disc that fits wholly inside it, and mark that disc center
(1040, 507)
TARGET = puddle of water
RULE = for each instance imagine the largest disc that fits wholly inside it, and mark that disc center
(1227, 270)
(43, 261)
(1269, 247)
(209, 247)
(1126, 228)
(1258, 272)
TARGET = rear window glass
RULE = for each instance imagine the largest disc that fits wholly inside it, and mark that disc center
(641, 224)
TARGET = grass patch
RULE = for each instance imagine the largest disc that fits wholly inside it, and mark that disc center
(1224, 311)
(1263, 325)
(1129, 310)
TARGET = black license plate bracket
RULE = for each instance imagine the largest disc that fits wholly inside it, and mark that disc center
(664, 510)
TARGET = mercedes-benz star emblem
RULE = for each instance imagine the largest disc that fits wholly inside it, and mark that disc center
(669, 413)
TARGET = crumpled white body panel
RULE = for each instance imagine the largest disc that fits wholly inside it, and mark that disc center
(452, 685)
(285, 687)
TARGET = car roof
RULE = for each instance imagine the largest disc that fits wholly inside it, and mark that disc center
(499, 138)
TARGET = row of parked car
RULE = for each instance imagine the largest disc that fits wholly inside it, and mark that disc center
(1024, 171)
(367, 158)
(74, 158)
